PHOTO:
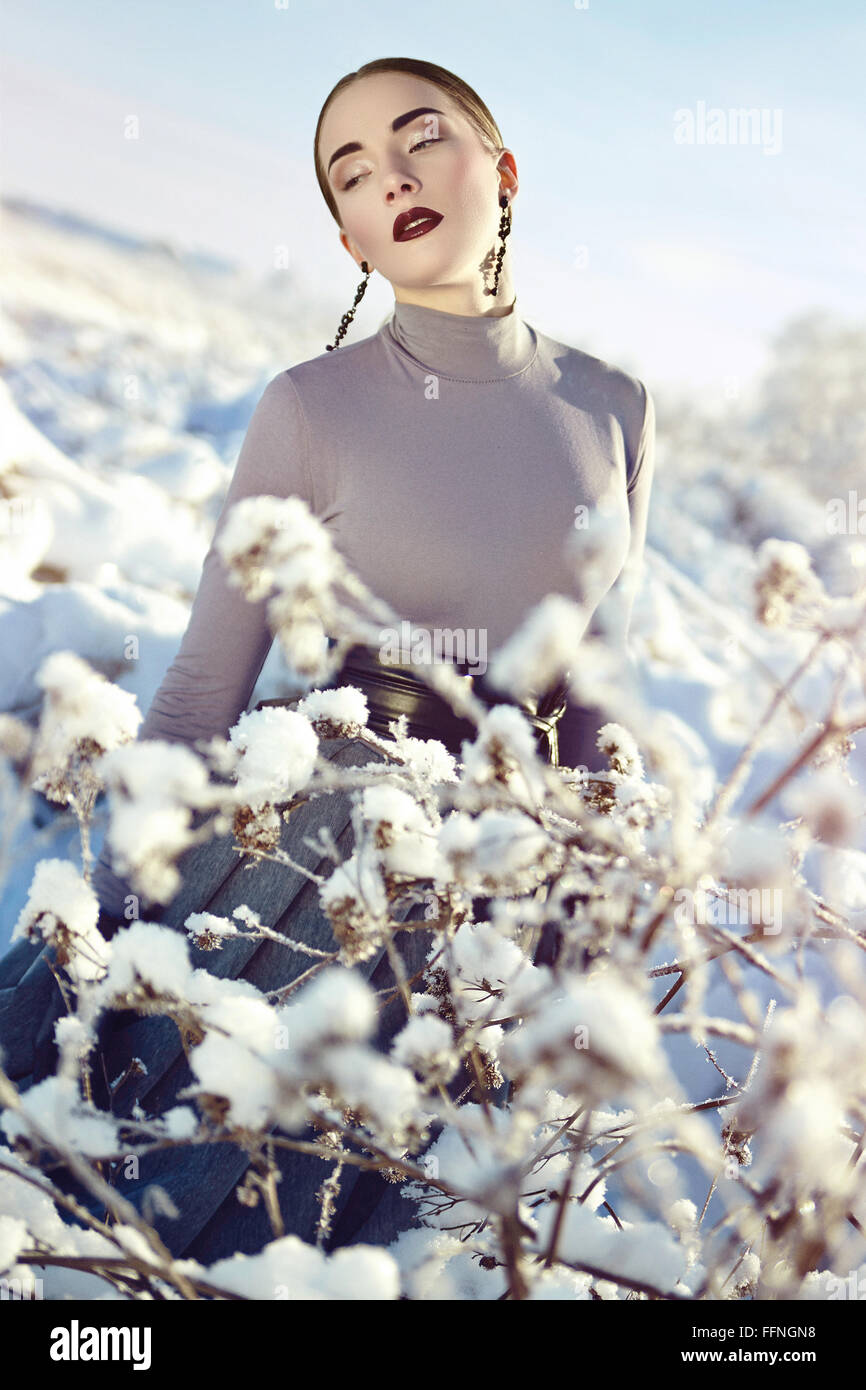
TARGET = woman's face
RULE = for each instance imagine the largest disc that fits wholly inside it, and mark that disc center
(434, 161)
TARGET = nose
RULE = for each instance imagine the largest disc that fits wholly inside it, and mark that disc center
(399, 183)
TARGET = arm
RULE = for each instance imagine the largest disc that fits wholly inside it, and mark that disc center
(580, 724)
(210, 681)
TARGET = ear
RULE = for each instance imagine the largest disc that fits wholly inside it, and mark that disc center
(353, 249)
(506, 166)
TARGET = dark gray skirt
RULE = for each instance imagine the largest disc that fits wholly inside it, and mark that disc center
(201, 1180)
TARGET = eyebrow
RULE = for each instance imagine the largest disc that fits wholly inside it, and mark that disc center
(396, 125)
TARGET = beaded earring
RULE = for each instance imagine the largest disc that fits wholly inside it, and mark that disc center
(504, 229)
(347, 318)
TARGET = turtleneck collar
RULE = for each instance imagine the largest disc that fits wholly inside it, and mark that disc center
(466, 347)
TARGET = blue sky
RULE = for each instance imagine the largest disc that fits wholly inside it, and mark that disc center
(695, 254)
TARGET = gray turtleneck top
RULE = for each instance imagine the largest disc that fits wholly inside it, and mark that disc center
(451, 457)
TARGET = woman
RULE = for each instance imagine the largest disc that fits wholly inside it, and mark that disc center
(449, 454)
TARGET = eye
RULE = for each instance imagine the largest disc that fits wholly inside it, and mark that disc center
(412, 149)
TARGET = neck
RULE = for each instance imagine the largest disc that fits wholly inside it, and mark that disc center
(463, 298)
(471, 347)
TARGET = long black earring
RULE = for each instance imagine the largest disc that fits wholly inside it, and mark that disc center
(504, 229)
(347, 318)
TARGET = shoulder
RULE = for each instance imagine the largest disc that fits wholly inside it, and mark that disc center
(604, 389)
(614, 389)
(348, 361)
(307, 391)
(294, 409)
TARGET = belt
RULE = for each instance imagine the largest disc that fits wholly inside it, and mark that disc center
(392, 690)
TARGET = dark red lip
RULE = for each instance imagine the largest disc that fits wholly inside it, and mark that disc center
(402, 230)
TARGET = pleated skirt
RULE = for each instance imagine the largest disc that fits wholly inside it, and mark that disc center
(202, 1179)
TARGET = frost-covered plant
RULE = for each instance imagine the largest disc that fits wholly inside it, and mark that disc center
(530, 1104)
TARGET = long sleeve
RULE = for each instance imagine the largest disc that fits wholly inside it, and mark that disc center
(209, 683)
(580, 724)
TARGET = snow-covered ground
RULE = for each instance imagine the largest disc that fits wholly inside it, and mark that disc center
(128, 378)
